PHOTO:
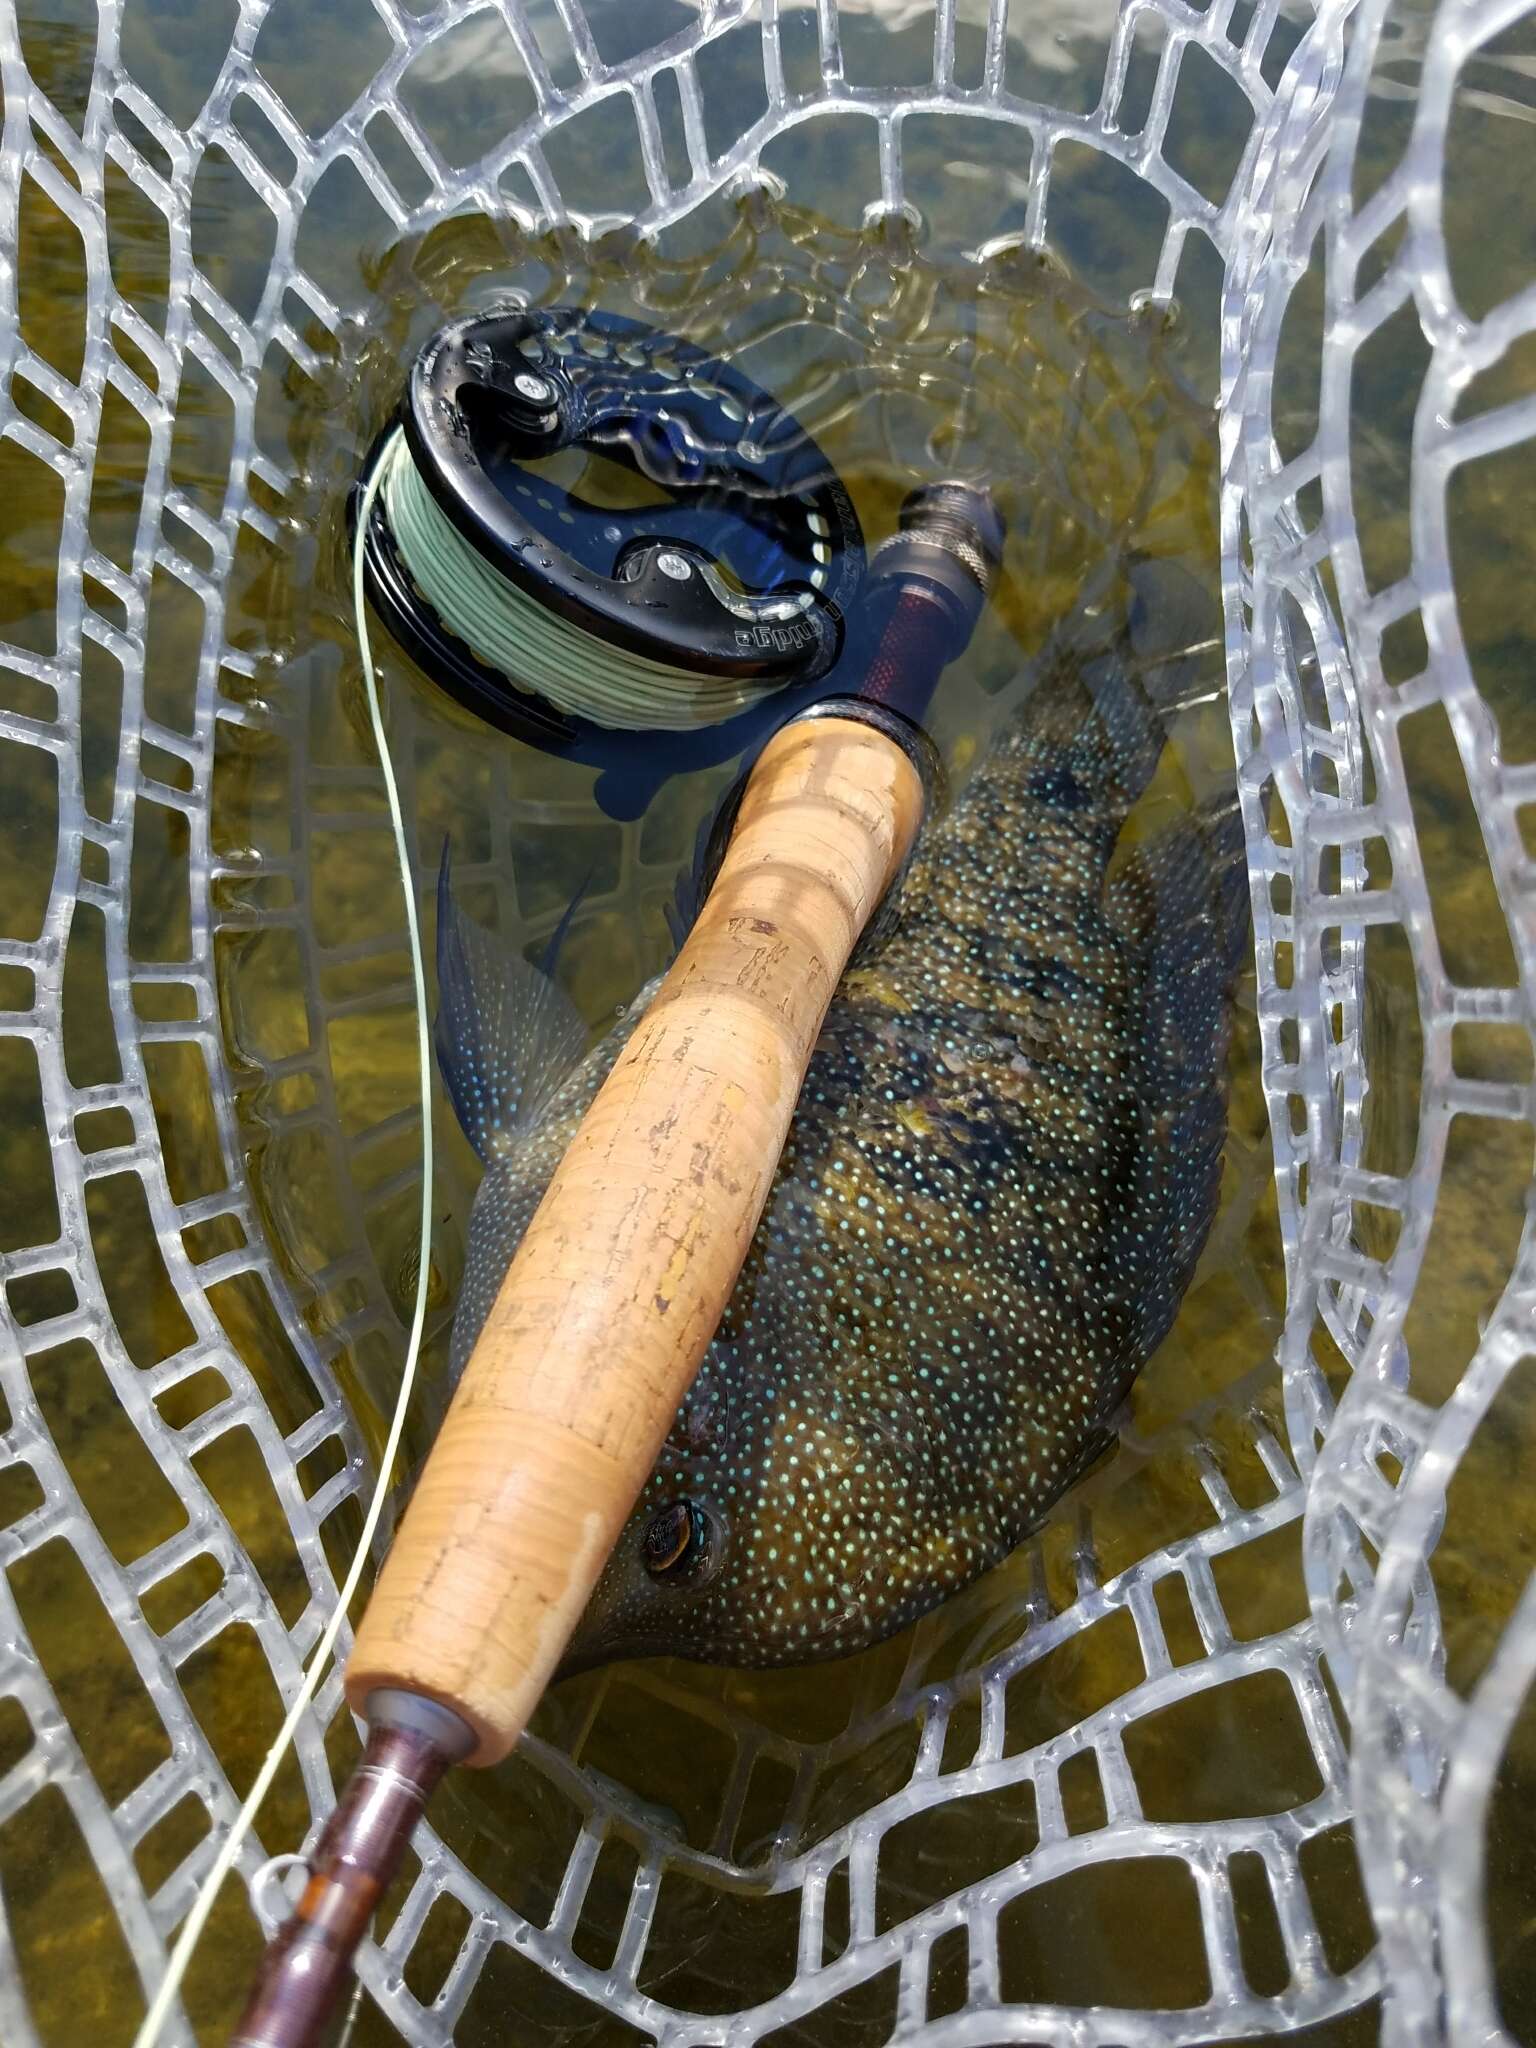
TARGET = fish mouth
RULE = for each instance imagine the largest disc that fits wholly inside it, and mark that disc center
(591, 1656)
(597, 1649)
(578, 1659)
(822, 1648)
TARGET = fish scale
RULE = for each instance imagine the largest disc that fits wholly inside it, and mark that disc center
(997, 1183)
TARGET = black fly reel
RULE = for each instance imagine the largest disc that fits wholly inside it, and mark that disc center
(663, 630)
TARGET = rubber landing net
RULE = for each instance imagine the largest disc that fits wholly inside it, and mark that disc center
(1345, 218)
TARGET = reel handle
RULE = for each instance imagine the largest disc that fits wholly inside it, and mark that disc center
(622, 1277)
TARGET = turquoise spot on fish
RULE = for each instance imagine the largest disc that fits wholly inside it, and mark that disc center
(1019, 1101)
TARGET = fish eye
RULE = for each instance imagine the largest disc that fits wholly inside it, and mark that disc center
(676, 1541)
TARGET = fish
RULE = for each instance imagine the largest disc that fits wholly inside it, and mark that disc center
(997, 1182)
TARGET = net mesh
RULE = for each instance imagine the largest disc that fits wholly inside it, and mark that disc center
(912, 1868)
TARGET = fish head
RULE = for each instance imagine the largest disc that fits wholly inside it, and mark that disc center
(787, 1556)
(659, 1593)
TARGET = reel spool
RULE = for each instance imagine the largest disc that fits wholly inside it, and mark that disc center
(646, 639)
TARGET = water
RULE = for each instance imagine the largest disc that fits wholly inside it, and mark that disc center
(907, 366)
(1104, 439)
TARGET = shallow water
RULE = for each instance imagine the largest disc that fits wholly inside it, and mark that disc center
(1102, 439)
(906, 367)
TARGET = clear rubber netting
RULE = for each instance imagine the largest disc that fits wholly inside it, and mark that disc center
(155, 1355)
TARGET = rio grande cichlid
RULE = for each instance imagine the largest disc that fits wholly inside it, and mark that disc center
(1000, 1175)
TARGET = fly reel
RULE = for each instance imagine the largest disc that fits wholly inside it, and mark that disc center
(603, 539)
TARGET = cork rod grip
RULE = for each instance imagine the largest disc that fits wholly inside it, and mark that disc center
(626, 1268)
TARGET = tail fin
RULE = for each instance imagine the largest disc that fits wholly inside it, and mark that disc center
(1113, 674)
(507, 1034)
(1184, 898)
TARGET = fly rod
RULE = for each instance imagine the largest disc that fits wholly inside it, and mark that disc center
(630, 1259)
